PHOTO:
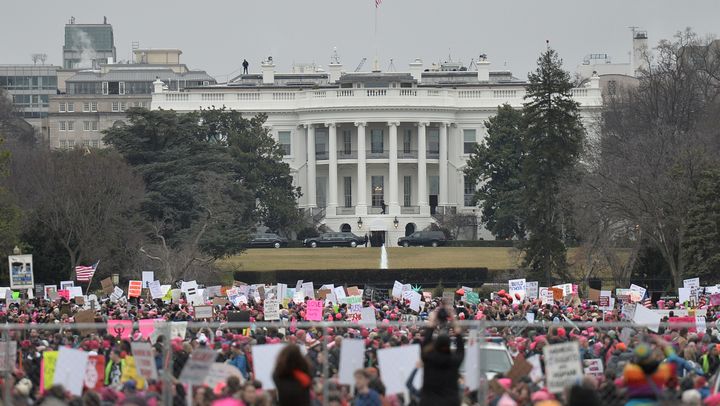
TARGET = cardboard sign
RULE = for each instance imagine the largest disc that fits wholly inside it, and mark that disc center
(558, 294)
(85, 316)
(107, 285)
(314, 310)
(563, 366)
(134, 288)
(520, 369)
(353, 291)
(204, 312)
(594, 295)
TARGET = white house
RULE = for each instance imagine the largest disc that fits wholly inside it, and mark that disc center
(379, 153)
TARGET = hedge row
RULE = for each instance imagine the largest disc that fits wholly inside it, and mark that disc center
(481, 243)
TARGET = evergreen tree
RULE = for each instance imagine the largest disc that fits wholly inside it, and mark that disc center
(702, 239)
(553, 139)
(496, 165)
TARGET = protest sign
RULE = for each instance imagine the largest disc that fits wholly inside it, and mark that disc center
(204, 312)
(639, 292)
(684, 294)
(69, 362)
(536, 374)
(308, 290)
(264, 359)
(604, 301)
(558, 293)
(472, 297)
(272, 309)
(472, 366)
(520, 369)
(397, 290)
(532, 290)
(354, 304)
(178, 329)
(134, 288)
(396, 364)
(21, 271)
(219, 374)
(353, 291)
(646, 318)
(117, 294)
(530, 317)
(120, 328)
(146, 327)
(367, 317)
(198, 366)
(47, 372)
(85, 316)
(64, 285)
(517, 286)
(339, 292)
(155, 290)
(562, 365)
(593, 367)
(314, 310)
(95, 373)
(700, 324)
(107, 285)
(594, 295)
(147, 278)
(8, 355)
(144, 360)
(352, 355)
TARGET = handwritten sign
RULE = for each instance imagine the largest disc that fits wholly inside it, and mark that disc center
(134, 288)
(272, 309)
(314, 310)
(562, 365)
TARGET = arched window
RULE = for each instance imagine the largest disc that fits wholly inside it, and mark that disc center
(409, 229)
(345, 228)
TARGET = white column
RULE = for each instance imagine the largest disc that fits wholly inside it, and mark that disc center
(361, 200)
(394, 205)
(443, 165)
(422, 169)
(332, 168)
(312, 175)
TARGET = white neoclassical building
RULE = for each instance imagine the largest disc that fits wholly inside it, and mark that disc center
(378, 153)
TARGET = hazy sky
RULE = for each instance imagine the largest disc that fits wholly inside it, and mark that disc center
(215, 35)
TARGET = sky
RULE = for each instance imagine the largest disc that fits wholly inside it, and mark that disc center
(216, 35)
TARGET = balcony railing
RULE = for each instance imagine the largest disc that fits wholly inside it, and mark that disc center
(343, 211)
(345, 154)
(409, 209)
(375, 154)
(322, 155)
(375, 210)
(432, 154)
(407, 154)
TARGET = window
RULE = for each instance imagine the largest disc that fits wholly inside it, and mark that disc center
(95, 143)
(407, 141)
(321, 143)
(285, 142)
(63, 144)
(434, 185)
(469, 191)
(407, 191)
(433, 140)
(71, 125)
(104, 87)
(71, 107)
(86, 126)
(347, 191)
(123, 106)
(321, 191)
(71, 143)
(62, 126)
(376, 141)
(85, 143)
(469, 141)
(122, 87)
(93, 106)
(612, 87)
(61, 107)
(378, 197)
(94, 125)
(347, 142)
(86, 107)
(115, 106)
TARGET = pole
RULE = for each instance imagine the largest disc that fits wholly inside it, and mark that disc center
(7, 387)
(167, 398)
(326, 369)
(482, 390)
(376, 64)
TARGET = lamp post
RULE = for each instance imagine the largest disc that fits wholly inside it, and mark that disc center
(396, 222)
(360, 222)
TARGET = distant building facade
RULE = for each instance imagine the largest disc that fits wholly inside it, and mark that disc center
(88, 46)
(375, 153)
(31, 87)
(615, 75)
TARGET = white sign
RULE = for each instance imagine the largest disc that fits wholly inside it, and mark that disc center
(155, 290)
(147, 278)
(264, 357)
(352, 355)
(536, 374)
(593, 367)
(397, 290)
(65, 285)
(517, 286)
(532, 290)
(472, 367)
(21, 271)
(198, 366)
(530, 317)
(640, 292)
(117, 294)
(219, 373)
(178, 329)
(562, 366)
(367, 317)
(339, 293)
(189, 288)
(414, 297)
(700, 324)
(272, 309)
(546, 296)
(8, 350)
(144, 360)
(396, 365)
(75, 291)
(308, 290)
(684, 294)
(203, 312)
(69, 362)
(646, 318)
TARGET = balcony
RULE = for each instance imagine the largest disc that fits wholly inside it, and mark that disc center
(322, 155)
(375, 210)
(346, 154)
(344, 211)
(407, 154)
(432, 154)
(376, 154)
(409, 209)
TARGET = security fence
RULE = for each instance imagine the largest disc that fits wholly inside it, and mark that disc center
(486, 343)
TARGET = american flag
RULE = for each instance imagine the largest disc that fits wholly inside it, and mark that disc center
(647, 302)
(85, 273)
(377, 3)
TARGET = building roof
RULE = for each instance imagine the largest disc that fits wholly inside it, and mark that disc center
(377, 78)
(148, 74)
(98, 37)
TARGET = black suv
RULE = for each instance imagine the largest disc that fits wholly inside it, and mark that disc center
(267, 240)
(432, 238)
(334, 240)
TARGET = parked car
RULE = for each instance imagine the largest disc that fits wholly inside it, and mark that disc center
(424, 238)
(334, 240)
(267, 240)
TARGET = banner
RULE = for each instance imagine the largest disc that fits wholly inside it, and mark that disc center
(21, 271)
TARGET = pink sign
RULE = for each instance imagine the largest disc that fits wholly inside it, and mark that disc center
(715, 299)
(314, 310)
(64, 293)
(120, 328)
(685, 321)
(147, 326)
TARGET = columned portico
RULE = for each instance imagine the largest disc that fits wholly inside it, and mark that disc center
(312, 172)
(422, 169)
(394, 204)
(443, 164)
(332, 169)
(361, 205)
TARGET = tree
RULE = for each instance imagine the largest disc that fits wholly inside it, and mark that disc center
(496, 165)
(701, 247)
(553, 138)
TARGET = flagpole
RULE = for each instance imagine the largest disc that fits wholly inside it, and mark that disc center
(376, 65)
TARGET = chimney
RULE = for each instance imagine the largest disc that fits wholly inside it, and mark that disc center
(158, 86)
(640, 48)
(268, 71)
(335, 69)
(416, 68)
(595, 81)
(483, 67)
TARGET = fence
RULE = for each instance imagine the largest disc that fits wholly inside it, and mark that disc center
(476, 333)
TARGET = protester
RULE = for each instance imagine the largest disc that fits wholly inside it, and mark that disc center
(292, 377)
(440, 377)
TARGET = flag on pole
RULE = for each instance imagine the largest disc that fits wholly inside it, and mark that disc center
(377, 3)
(85, 273)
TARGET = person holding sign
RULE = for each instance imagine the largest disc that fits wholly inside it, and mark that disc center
(441, 365)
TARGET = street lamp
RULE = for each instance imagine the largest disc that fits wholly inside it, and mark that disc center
(359, 222)
(396, 222)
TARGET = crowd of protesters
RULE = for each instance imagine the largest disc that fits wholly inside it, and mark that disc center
(672, 366)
